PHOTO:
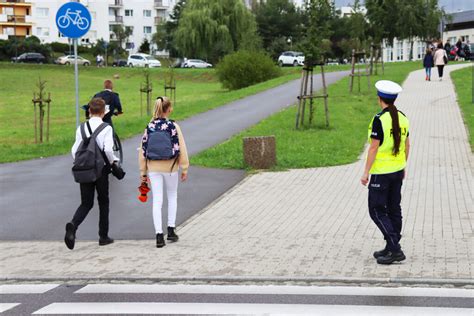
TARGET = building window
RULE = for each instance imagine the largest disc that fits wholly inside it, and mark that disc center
(42, 12)
(129, 28)
(128, 12)
(400, 50)
(147, 29)
(42, 31)
(8, 11)
(147, 13)
(129, 45)
(9, 31)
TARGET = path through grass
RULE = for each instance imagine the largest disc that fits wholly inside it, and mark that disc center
(314, 146)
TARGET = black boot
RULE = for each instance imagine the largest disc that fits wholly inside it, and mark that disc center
(381, 253)
(104, 241)
(160, 241)
(391, 257)
(172, 235)
(70, 237)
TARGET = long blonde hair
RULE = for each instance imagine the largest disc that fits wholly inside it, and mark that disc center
(162, 105)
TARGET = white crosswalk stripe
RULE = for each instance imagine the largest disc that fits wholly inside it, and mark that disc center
(26, 288)
(243, 309)
(275, 289)
(6, 306)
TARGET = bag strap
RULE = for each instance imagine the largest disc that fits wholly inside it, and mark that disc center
(83, 131)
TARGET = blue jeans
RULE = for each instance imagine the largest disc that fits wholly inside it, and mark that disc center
(428, 72)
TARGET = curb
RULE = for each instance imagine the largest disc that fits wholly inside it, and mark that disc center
(251, 279)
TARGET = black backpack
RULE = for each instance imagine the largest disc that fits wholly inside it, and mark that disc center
(89, 160)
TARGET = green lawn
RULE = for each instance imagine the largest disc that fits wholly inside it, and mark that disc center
(314, 146)
(463, 80)
(197, 91)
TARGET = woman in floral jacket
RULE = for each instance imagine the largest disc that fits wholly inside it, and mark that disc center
(159, 168)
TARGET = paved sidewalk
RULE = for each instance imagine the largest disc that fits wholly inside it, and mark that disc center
(308, 224)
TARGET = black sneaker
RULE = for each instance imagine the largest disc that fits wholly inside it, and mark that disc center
(380, 253)
(172, 235)
(160, 241)
(104, 241)
(391, 257)
(70, 237)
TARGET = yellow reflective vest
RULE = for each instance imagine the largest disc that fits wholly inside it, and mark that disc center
(385, 161)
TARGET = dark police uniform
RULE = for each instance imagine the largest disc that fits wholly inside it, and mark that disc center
(113, 101)
(387, 173)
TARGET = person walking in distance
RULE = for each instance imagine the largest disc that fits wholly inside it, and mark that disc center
(103, 136)
(428, 63)
(440, 60)
(112, 101)
(161, 154)
(386, 160)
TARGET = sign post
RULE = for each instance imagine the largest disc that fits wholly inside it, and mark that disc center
(74, 20)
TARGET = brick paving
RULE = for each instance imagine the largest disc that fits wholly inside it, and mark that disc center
(306, 223)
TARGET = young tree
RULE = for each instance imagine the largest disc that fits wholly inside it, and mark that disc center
(319, 17)
(121, 34)
(209, 29)
(144, 47)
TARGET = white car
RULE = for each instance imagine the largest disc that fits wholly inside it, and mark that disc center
(291, 58)
(196, 63)
(69, 60)
(142, 60)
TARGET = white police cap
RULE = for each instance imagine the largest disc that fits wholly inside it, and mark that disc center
(388, 89)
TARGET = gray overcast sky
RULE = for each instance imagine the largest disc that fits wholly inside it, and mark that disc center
(449, 5)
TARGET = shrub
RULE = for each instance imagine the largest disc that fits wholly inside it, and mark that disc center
(245, 68)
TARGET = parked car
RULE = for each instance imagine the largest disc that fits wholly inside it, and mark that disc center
(142, 60)
(69, 60)
(291, 58)
(30, 58)
(196, 63)
(119, 63)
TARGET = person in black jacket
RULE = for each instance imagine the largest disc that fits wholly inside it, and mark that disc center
(112, 101)
(428, 63)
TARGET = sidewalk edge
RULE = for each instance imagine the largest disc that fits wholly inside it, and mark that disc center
(254, 279)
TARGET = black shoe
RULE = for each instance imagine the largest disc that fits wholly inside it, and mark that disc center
(70, 237)
(380, 253)
(172, 235)
(160, 241)
(104, 241)
(391, 257)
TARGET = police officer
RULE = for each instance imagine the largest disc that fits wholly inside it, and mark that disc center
(386, 160)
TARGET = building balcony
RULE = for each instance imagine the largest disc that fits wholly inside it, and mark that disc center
(20, 3)
(159, 20)
(159, 5)
(116, 19)
(20, 20)
(115, 3)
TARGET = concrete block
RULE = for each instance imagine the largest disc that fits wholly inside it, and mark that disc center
(260, 152)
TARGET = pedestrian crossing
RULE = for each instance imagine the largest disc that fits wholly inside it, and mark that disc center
(242, 309)
(193, 299)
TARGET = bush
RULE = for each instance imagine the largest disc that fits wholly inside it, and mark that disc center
(245, 68)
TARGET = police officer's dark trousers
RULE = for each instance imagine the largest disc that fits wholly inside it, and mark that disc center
(87, 202)
(384, 206)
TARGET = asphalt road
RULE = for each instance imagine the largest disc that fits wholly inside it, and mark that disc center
(39, 196)
(156, 299)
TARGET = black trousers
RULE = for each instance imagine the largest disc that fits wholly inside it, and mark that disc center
(440, 70)
(87, 202)
(384, 206)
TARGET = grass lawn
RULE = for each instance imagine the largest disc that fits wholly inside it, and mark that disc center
(314, 146)
(463, 80)
(197, 91)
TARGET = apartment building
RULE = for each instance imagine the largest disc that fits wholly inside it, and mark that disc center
(15, 18)
(37, 17)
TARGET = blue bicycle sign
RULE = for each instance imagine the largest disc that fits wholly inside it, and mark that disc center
(73, 19)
